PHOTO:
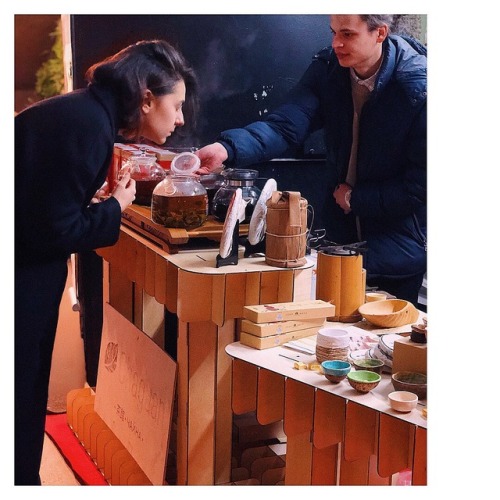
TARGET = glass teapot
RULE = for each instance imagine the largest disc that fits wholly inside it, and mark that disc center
(235, 178)
(180, 200)
(147, 174)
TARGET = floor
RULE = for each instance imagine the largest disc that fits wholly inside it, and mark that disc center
(54, 471)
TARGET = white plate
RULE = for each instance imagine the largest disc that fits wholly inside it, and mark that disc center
(257, 226)
(386, 342)
(226, 241)
(376, 353)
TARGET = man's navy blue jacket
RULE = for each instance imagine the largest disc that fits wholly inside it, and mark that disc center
(389, 198)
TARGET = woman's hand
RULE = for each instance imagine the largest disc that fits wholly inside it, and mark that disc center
(101, 194)
(124, 191)
(212, 157)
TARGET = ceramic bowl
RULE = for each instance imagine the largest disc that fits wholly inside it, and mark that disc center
(332, 338)
(372, 365)
(403, 401)
(335, 370)
(411, 382)
(389, 313)
(363, 381)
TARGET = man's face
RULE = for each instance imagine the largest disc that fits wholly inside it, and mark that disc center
(354, 45)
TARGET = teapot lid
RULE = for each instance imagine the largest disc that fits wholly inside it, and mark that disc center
(185, 164)
(141, 157)
(351, 249)
(240, 174)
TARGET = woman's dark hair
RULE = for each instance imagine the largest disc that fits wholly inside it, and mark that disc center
(148, 64)
(373, 21)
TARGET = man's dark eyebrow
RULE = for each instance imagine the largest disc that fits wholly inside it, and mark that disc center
(343, 30)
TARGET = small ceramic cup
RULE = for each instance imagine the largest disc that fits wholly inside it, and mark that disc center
(374, 296)
(335, 370)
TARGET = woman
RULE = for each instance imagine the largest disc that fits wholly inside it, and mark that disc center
(63, 148)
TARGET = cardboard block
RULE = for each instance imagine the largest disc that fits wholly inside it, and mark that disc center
(276, 340)
(279, 327)
(285, 311)
(409, 356)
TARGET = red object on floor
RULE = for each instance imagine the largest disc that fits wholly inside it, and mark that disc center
(84, 468)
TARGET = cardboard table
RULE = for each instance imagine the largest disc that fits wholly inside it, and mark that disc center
(335, 436)
(207, 302)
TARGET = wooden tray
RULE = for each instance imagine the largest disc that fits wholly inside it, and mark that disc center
(138, 218)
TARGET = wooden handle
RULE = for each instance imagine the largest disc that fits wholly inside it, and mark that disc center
(293, 208)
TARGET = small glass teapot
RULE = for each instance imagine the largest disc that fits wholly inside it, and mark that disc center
(180, 200)
(146, 173)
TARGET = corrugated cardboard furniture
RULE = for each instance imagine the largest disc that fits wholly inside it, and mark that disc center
(207, 302)
(334, 435)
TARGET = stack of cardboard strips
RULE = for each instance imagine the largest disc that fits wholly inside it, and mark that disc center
(270, 325)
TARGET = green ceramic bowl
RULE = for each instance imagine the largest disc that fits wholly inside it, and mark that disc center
(370, 364)
(363, 381)
(411, 382)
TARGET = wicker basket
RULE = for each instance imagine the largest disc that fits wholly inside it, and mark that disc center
(324, 354)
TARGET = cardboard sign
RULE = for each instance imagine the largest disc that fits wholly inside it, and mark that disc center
(135, 392)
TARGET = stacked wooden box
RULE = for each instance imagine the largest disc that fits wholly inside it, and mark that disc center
(270, 325)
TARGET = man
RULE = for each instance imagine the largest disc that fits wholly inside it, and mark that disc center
(369, 94)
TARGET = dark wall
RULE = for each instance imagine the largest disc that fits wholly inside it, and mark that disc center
(246, 64)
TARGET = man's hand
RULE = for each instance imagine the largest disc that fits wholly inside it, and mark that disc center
(342, 195)
(212, 158)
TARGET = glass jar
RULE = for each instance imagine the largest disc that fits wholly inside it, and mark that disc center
(146, 173)
(180, 200)
(235, 178)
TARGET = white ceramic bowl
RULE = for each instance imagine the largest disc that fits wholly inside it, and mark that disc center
(332, 338)
(403, 401)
